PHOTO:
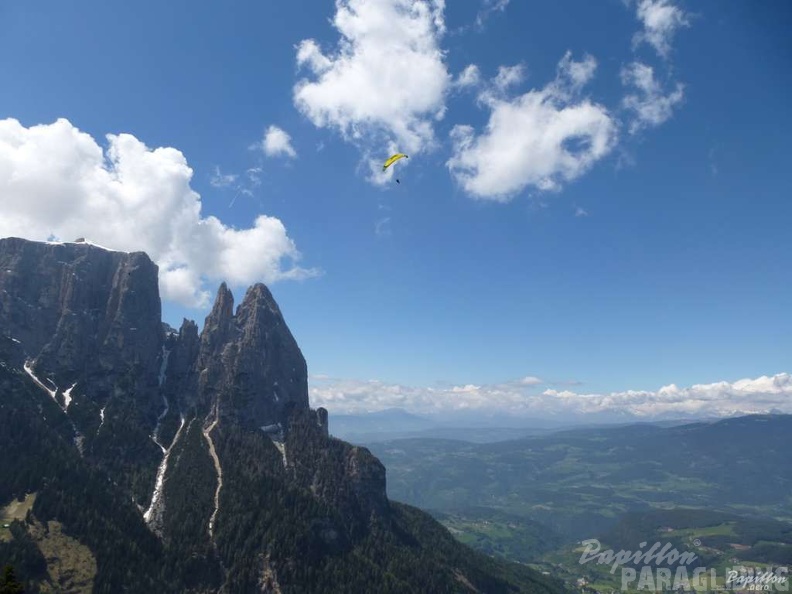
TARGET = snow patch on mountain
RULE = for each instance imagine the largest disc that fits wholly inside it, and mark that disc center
(282, 449)
(29, 370)
(154, 514)
(67, 397)
(78, 437)
(207, 433)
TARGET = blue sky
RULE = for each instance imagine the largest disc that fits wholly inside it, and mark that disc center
(606, 221)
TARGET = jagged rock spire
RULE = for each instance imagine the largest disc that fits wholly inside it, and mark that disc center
(248, 363)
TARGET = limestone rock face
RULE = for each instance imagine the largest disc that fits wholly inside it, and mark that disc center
(248, 363)
(80, 314)
(193, 455)
(92, 316)
(182, 351)
(83, 314)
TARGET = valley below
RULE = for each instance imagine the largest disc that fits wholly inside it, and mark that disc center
(721, 490)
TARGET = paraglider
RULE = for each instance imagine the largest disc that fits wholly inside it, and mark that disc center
(391, 160)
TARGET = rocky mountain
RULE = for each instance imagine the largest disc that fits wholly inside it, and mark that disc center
(137, 458)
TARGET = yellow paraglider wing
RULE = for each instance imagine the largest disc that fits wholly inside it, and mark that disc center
(391, 160)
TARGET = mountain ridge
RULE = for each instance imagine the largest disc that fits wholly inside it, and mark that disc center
(207, 468)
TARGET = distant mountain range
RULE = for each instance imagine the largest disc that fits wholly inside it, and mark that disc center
(578, 482)
(719, 489)
(397, 423)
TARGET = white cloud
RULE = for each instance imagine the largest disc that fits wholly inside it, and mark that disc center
(746, 396)
(581, 212)
(577, 74)
(509, 76)
(542, 138)
(386, 81)
(490, 6)
(530, 380)
(277, 143)
(650, 105)
(309, 54)
(382, 228)
(254, 176)
(660, 19)
(521, 397)
(57, 181)
(469, 77)
(222, 180)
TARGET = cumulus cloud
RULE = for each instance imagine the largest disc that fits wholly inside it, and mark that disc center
(351, 396)
(57, 181)
(649, 104)
(277, 143)
(577, 74)
(540, 139)
(386, 80)
(746, 396)
(660, 20)
(530, 380)
(521, 397)
(469, 77)
(509, 76)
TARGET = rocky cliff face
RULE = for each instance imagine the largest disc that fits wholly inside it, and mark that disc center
(193, 456)
(87, 323)
(83, 315)
(90, 316)
(248, 363)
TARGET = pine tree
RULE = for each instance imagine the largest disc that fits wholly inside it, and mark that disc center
(9, 583)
